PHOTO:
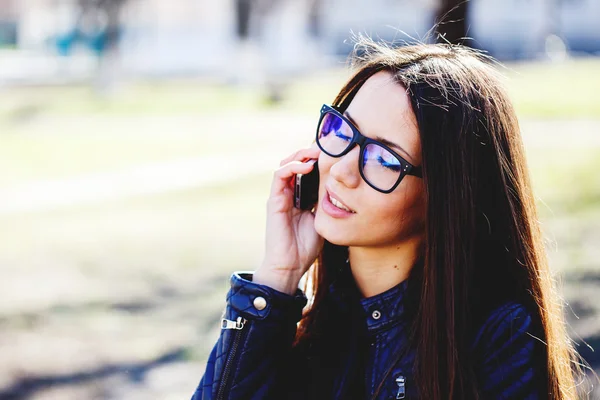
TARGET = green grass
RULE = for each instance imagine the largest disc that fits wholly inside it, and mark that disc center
(54, 147)
(26, 155)
(193, 228)
(140, 98)
(569, 89)
(539, 89)
(565, 180)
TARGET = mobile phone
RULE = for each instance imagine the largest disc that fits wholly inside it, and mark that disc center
(306, 188)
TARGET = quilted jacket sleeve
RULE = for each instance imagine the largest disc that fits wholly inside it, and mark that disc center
(511, 362)
(256, 337)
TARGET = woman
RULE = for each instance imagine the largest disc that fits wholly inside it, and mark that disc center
(430, 279)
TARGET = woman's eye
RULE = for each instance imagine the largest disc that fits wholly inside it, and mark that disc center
(342, 136)
(393, 165)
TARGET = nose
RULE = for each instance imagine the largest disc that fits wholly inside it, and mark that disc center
(345, 169)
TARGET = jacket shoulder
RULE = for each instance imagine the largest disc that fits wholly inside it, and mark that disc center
(509, 353)
(509, 319)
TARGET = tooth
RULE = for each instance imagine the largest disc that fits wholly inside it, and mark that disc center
(338, 204)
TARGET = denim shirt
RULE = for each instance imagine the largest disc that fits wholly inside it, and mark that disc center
(259, 324)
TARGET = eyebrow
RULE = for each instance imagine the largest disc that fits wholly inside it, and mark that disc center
(378, 138)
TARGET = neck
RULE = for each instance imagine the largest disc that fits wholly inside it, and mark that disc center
(377, 269)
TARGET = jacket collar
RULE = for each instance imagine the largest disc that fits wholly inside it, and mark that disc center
(379, 311)
(385, 309)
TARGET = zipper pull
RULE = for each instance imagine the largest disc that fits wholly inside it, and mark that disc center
(400, 380)
(228, 324)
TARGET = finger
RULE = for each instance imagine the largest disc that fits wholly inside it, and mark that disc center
(296, 156)
(283, 176)
(302, 154)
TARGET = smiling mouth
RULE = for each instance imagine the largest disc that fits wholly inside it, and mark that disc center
(339, 204)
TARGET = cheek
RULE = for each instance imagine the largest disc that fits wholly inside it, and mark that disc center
(400, 209)
(388, 213)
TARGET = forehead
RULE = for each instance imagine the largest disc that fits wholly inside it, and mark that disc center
(381, 108)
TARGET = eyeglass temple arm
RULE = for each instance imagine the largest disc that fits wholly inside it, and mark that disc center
(416, 171)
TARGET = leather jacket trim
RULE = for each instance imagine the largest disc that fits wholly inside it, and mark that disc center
(243, 293)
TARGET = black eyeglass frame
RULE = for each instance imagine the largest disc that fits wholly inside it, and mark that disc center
(363, 141)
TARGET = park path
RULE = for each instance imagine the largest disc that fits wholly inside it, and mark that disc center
(148, 179)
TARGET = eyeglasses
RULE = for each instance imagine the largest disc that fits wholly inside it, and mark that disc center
(380, 167)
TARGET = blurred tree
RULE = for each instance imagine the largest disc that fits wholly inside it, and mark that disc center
(451, 23)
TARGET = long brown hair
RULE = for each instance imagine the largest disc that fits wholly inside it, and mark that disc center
(483, 245)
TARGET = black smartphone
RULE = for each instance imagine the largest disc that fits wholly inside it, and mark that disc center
(306, 188)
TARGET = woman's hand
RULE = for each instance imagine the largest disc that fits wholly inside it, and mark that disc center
(291, 244)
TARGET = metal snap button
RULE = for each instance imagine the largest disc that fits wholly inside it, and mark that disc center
(260, 303)
(376, 314)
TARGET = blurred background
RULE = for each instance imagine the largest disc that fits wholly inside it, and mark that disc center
(137, 143)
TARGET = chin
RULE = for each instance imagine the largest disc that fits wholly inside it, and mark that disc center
(326, 227)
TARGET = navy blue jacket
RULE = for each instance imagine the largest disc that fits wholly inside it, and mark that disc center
(251, 359)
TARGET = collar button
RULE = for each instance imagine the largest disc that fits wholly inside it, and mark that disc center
(376, 315)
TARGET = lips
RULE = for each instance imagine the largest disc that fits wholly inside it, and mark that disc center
(335, 200)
